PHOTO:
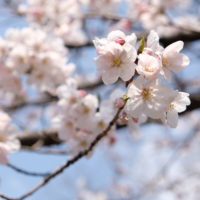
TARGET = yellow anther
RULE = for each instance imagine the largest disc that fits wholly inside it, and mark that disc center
(147, 93)
(117, 62)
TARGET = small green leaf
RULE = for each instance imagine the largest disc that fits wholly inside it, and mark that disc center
(141, 45)
(125, 97)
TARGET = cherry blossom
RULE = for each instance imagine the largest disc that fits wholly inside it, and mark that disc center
(116, 63)
(149, 97)
(128, 42)
(148, 66)
(8, 141)
(172, 59)
(62, 17)
(178, 105)
(42, 58)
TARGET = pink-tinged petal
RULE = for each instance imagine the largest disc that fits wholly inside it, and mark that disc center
(172, 118)
(127, 72)
(131, 39)
(181, 101)
(177, 61)
(167, 74)
(135, 107)
(153, 109)
(3, 155)
(104, 62)
(116, 34)
(153, 40)
(110, 76)
(148, 66)
(174, 47)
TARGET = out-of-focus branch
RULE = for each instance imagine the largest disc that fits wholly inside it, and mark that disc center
(39, 138)
(69, 162)
(47, 98)
(49, 137)
(185, 36)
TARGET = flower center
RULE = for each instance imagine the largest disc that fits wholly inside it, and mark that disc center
(171, 106)
(83, 144)
(69, 124)
(85, 109)
(101, 124)
(117, 62)
(147, 93)
(149, 69)
(164, 61)
(73, 100)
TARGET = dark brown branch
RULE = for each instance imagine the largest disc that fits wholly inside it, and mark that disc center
(86, 85)
(69, 162)
(43, 138)
(185, 36)
(49, 137)
(22, 171)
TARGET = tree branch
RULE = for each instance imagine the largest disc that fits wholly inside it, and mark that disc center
(49, 137)
(36, 174)
(69, 162)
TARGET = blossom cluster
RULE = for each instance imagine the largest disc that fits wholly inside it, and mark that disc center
(61, 17)
(153, 64)
(42, 59)
(80, 117)
(152, 13)
(8, 141)
(65, 18)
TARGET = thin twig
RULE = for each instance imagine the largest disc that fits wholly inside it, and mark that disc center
(69, 162)
(22, 171)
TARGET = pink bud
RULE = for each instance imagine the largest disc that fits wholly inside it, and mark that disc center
(126, 24)
(119, 103)
(120, 41)
(112, 139)
(136, 120)
(83, 93)
(38, 13)
(123, 118)
(148, 51)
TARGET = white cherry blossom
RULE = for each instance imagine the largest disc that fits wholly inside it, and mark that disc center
(178, 105)
(126, 41)
(116, 63)
(148, 66)
(148, 97)
(172, 59)
(8, 141)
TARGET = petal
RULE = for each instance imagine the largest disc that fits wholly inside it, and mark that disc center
(110, 76)
(103, 62)
(172, 118)
(181, 101)
(116, 34)
(135, 107)
(167, 74)
(153, 40)
(127, 71)
(174, 47)
(3, 155)
(177, 61)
